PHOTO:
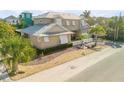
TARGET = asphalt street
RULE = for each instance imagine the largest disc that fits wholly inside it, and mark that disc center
(110, 69)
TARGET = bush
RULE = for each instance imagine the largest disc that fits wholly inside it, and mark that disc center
(83, 36)
(53, 49)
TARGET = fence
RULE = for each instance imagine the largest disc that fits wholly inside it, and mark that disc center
(78, 42)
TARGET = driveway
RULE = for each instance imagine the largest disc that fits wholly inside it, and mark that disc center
(110, 69)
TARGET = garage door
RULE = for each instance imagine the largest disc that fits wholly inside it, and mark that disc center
(64, 39)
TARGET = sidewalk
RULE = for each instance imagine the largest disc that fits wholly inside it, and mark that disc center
(67, 70)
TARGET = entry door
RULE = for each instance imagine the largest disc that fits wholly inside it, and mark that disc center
(63, 39)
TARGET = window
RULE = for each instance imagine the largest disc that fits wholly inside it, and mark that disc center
(67, 22)
(46, 39)
(73, 23)
(39, 39)
(59, 21)
(23, 15)
(28, 16)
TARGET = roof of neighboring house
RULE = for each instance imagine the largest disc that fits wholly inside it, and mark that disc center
(10, 17)
(58, 14)
(41, 30)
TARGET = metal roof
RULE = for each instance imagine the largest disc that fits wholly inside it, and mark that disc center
(41, 30)
(58, 14)
(32, 29)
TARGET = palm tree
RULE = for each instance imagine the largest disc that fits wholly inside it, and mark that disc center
(19, 49)
(86, 16)
(114, 26)
(86, 13)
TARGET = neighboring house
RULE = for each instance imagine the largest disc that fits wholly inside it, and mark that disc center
(53, 28)
(11, 20)
(27, 18)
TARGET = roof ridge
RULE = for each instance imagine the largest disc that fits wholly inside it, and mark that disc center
(53, 14)
(11, 16)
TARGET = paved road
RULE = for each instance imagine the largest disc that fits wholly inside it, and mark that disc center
(108, 70)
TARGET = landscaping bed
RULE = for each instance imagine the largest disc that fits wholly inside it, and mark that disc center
(67, 55)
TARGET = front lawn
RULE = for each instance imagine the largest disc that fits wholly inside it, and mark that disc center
(26, 70)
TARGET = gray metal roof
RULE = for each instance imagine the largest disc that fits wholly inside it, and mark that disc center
(41, 30)
(33, 29)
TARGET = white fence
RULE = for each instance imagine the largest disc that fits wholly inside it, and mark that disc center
(78, 42)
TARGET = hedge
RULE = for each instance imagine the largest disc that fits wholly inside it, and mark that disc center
(53, 49)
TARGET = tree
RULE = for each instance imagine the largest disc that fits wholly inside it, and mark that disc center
(116, 27)
(102, 21)
(17, 47)
(6, 30)
(86, 15)
(21, 24)
(97, 31)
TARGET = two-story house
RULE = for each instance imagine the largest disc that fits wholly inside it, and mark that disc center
(53, 28)
(70, 21)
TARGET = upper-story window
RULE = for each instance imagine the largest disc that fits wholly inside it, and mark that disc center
(73, 23)
(23, 15)
(67, 22)
(28, 16)
(58, 21)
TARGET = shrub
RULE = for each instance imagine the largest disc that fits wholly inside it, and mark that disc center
(82, 36)
(53, 49)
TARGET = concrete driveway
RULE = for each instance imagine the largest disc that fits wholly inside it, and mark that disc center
(110, 69)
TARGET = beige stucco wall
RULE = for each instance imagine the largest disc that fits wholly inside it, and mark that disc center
(72, 27)
(42, 20)
(55, 29)
(53, 41)
(48, 21)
